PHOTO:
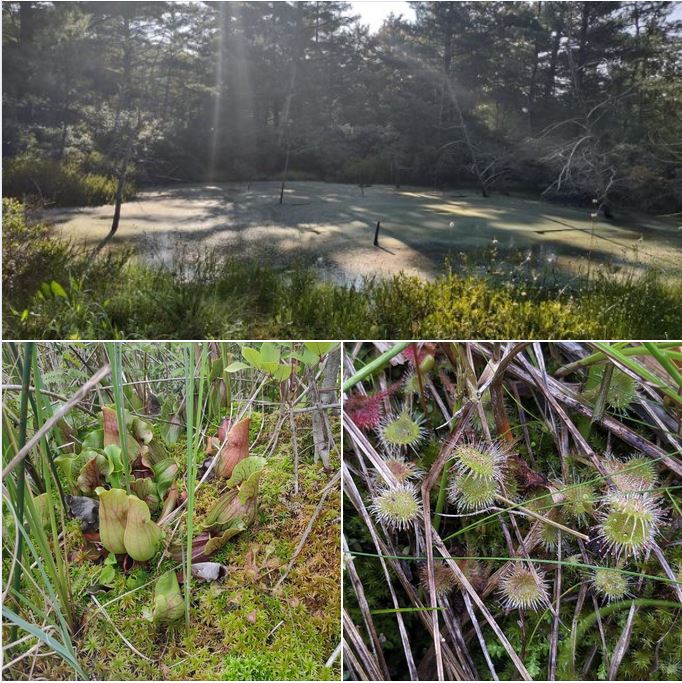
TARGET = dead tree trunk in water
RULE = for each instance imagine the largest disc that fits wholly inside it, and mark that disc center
(120, 187)
(467, 139)
(127, 15)
(284, 174)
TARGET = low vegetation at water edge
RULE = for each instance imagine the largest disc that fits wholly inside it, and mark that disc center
(54, 290)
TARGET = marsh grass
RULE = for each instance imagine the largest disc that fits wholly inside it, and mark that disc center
(114, 353)
(194, 415)
(38, 581)
(58, 183)
(21, 469)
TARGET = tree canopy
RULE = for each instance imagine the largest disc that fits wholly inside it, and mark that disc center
(581, 101)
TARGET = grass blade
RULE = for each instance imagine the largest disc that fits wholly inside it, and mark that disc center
(376, 365)
(21, 470)
(114, 353)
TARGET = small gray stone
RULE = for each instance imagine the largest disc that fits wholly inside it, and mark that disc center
(86, 510)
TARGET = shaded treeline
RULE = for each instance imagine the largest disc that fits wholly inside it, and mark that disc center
(579, 100)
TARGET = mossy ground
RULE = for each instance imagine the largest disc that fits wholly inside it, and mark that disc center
(243, 628)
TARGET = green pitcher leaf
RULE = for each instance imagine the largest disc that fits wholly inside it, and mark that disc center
(142, 537)
(111, 434)
(235, 450)
(168, 603)
(93, 439)
(249, 489)
(245, 469)
(147, 490)
(94, 472)
(142, 430)
(113, 514)
(217, 542)
(220, 513)
(114, 471)
(69, 465)
(152, 453)
(110, 426)
(233, 508)
(171, 424)
(165, 473)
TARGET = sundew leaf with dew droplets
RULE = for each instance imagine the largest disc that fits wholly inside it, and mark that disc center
(610, 583)
(579, 500)
(401, 431)
(403, 470)
(476, 460)
(629, 523)
(635, 474)
(397, 507)
(472, 493)
(523, 589)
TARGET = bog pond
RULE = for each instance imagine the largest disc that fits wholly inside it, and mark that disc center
(333, 226)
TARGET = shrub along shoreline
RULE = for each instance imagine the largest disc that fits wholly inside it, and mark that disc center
(61, 183)
(53, 290)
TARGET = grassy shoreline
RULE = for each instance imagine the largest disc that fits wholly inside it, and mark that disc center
(54, 290)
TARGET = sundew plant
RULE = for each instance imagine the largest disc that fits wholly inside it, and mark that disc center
(171, 511)
(512, 511)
